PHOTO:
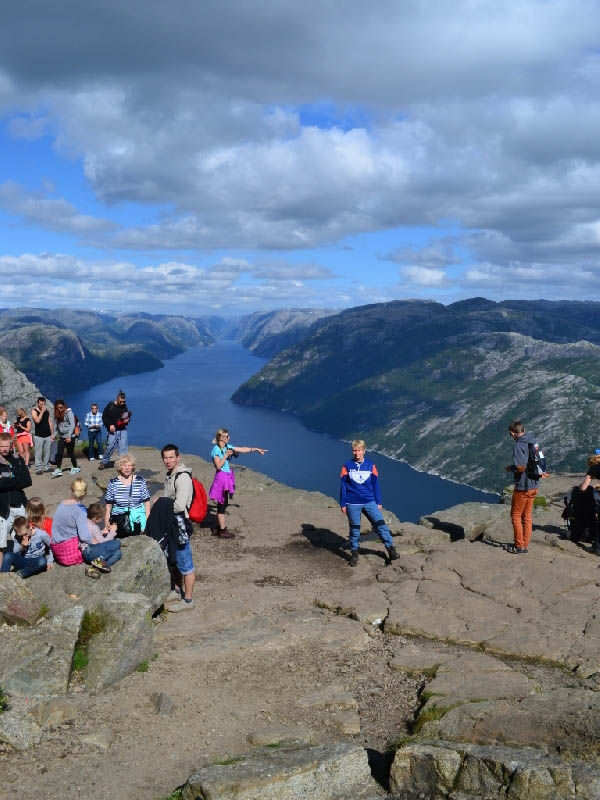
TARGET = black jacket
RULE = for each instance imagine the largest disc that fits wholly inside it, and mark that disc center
(14, 477)
(162, 526)
(116, 415)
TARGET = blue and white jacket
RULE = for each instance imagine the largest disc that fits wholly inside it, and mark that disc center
(359, 484)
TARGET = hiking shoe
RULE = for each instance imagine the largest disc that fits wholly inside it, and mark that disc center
(180, 606)
(354, 559)
(48, 468)
(516, 550)
(92, 572)
(392, 553)
(57, 473)
(101, 564)
(39, 472)
(225, 534)
(92, 458)
(174, 596)
(75, 470)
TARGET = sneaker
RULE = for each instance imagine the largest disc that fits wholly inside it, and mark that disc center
(225, 534)
(57, 473)
(392, 553)
(516, 550)
(92, 458)
(174, 596)
(75, 470)
(101, 565)
(354, 559)
(39, 471)
(180, 606)
(47, 468)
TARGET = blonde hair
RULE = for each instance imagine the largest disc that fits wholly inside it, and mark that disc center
(36, 511)
(358, 444)
(79, 489)
(126, 458)
(21, 412)
(218, 434)
(593, 460)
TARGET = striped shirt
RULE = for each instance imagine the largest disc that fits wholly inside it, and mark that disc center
(117, 492)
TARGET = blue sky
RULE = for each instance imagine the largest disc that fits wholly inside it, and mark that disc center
(239, 157)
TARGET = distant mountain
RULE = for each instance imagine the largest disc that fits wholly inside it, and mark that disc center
(15, 389)
(65, 350)
(437, 386)
(266, 333)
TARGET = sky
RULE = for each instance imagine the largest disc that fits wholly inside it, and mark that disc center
(226, 157)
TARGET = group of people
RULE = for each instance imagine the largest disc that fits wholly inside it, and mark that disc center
(52, 433)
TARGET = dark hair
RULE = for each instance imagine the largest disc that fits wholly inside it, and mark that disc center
(516, 427)
(169, 447)
(120, 395)
(41, 398)
(59, 415)
(20, 522)
(95, 510)
(5, 437)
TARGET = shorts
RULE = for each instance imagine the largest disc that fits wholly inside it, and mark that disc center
(183, 559)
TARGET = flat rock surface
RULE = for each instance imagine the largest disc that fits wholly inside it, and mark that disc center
(256, 643)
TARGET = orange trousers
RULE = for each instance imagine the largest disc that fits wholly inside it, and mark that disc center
(520, 513)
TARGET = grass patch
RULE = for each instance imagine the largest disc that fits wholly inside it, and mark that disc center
(274, 745)
(44, 611)
(142, 667)
(399, 742)
(539, 501)
(432, 715)
(226, 762)
(93, 622)
(3, 701)
(176, 795)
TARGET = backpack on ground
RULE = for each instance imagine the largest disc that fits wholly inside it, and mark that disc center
(581, 514)
(198, 508)
(536, 462)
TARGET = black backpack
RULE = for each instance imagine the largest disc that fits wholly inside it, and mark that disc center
(536, 462)
(581, 514)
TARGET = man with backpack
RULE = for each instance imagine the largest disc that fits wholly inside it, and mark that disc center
(526, 486)
(116, 417)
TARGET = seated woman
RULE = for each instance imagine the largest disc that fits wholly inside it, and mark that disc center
(127, 494)
(71, 539)
(593, 472)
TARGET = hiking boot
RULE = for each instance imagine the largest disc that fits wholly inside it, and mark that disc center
(75, 470)
(101, 565)
(354, 559)
(180, 606)
(223, 533)
(57, 473)
(392, 553)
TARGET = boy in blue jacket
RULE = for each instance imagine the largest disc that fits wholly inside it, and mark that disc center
(359, 491)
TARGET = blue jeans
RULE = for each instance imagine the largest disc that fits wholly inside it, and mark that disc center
(375, 517)
(109, 551)
(94, 437)
(26, 566)
(117, 439)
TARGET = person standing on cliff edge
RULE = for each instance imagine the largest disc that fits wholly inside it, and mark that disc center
(360, 492)
(525, 490)
(116, 417)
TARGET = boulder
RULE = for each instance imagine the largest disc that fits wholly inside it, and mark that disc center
(124, 642)
(52, 711)
(326, 772)
(162, 703)
(17, 728)
(445, 770)
(38, 661)
(142, 570)
(19, 605)
(466, 520)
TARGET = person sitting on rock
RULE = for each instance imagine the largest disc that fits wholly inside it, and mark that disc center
(72, 541)
(36, 515)
(360, 493)
(31, 551)
(95, 518)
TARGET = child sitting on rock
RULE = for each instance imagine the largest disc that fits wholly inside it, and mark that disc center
(95, 515)
(36, 515)
(32, 553)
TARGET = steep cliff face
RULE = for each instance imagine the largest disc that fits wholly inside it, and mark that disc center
(438, 386)
(266, 334)
(15, 389)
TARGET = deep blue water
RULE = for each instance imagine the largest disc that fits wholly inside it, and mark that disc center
(188, 399)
